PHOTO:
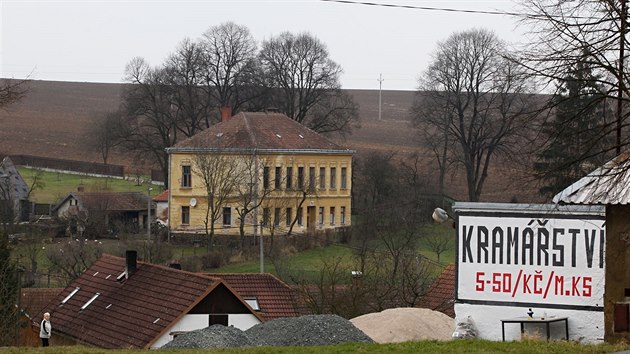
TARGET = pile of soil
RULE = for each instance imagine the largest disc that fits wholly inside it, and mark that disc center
(405, 324)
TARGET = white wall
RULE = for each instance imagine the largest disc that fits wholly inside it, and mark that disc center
(584, 326)
(243, 321)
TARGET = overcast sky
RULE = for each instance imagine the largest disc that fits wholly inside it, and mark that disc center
(89, 40)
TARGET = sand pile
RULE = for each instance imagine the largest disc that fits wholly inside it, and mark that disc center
(405, 324)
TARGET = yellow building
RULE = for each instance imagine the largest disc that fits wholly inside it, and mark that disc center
(265, 165)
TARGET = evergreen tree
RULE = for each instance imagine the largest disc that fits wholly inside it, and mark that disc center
(577, 136)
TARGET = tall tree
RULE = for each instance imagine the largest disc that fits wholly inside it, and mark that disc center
(562, 31)
(12, 91)
(577, 134)
(230, 65)
(471, 76)
(304, 82)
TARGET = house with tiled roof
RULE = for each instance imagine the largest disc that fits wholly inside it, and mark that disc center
(265, 293)
(291, 178)
(13, 192)
(123, 303)
(441, 295)
(161, 207)
(128, 208)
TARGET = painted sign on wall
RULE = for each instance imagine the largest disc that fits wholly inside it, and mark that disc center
(531, 258)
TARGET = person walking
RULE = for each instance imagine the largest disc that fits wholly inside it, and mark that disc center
(44, 329)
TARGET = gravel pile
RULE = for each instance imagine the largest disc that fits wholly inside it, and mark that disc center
(295, 331)
(215, 336)
(306, 330)
(405, 324)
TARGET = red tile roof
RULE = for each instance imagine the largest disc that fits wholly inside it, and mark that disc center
(441, 295)
(275, 298)
(131, 313)
(110, 201)
(162, 197)
(34, 300)
(258, 130)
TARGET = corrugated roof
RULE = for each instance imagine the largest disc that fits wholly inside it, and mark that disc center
(275, 298)
(609, 184)
(132, 313)
(258, 130)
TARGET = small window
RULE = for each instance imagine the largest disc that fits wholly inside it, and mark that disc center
(227, 216)
(300, 178)
(343, 215)
(321, 215)
(332, 215)
(289, 177)
(299, 216)
(322, 177)
(311, 178)
(333, 178)
(90, 301)
(253, 303)
(278, 178)
(266, 178)
(185, 215)
(276, 217)
(186, 177)
(76, 290)
(289, 216)
(218, 319)
(344, 177)
(265, 216)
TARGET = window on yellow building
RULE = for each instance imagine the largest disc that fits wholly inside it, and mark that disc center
(186, 176)
(227, 216)
(311, 178)
(321, 215)
(289, 177)
(299, 216)
(332, 215)
(265, 216)
(300, 178)
(333, 178)
(342, 217)
(266, 178)
(344, 177)
(322, 177)
(185, 215)
(289, 216)
(276, 217)
(278, 178)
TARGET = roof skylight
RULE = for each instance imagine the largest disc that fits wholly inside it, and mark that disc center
(90, 301)
(253, 303)
(70, 295)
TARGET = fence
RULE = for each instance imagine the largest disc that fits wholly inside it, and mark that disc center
(69, 165)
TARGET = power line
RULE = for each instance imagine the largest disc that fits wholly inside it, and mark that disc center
(444, 9)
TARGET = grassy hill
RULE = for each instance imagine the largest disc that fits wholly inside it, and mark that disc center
(53, 120)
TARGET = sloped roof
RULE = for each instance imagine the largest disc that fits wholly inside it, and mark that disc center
(275, 298)
(18, 190)
(441, 295)
(130, 313)
(110, 201)
(258, 130)
(162, 197)
(34, 300)
(609, 184)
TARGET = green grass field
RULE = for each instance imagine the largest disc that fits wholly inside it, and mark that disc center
(57, 185)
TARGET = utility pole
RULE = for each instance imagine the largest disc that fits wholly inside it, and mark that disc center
(149, 216)
(380, 87)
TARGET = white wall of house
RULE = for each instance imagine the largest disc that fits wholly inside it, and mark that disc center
(193, 322)
(584, 326)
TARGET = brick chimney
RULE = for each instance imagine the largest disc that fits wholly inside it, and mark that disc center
(132, 264)
(226, 113)
(80, 189)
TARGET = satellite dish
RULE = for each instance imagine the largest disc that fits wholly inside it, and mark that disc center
(193, 202)
(440, 215)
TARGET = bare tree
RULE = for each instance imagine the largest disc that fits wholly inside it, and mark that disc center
(562, 32)
(221, 177)
(103, 135)
(471, 76)
(12, 91)
(304, 82)
(229, 55)
(73, 257)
